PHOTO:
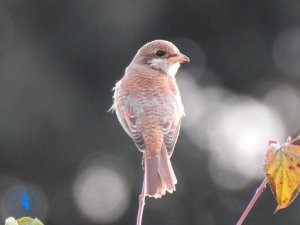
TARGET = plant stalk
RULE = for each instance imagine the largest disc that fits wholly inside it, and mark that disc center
(257, 194)
(141, 205)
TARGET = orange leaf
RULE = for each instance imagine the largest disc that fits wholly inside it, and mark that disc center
(282, 168)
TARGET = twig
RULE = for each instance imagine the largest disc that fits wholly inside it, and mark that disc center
(141, 205)
(258, 192)
(294, 140)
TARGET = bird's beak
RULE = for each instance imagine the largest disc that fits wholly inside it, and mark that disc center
(181, 58)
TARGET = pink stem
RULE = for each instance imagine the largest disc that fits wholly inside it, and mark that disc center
(141, 205)
(258, 192)
(295, 139)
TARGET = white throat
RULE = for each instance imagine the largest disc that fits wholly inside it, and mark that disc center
(168, 68)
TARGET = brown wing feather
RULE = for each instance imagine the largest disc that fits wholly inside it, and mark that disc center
(170, 137)
(127, 119)
(171, 131)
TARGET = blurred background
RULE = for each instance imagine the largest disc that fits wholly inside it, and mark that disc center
(58, 63)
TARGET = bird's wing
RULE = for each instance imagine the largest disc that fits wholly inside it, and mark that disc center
(128, 122)
(171, 129)
(170, 136)
(124, 110)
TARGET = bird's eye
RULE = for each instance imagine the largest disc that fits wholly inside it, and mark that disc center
(160, 53)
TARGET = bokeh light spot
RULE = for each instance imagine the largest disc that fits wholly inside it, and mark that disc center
(101, 194)
(285, 100)
(233, 128)
(242, 129)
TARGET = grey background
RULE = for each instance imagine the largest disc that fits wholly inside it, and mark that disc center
(59, 61)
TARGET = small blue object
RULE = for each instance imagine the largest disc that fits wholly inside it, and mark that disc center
(25, 201)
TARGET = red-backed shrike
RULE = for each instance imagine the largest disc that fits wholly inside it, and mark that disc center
(148, 105)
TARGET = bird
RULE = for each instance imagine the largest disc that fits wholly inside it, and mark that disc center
(148, 105)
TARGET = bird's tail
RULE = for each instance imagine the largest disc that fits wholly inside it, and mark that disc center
(159, 174)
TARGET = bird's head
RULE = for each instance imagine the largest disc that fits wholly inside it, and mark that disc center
(161, 55)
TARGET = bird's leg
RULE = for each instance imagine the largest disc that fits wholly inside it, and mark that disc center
(141, 205)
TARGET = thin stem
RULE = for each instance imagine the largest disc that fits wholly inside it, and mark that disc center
(258, 192)
(141, 205)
